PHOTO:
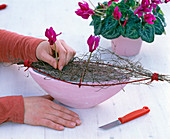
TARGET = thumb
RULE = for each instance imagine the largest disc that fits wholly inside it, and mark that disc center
(49, 59)
(48, 97)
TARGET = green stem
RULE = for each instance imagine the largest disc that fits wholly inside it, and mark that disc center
(135, 7)
(119, 22)
(56, 56)
(138, 3)
(86, 66)
(98, 12)
(101, 9)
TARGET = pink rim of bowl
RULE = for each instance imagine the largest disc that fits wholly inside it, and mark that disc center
(73, 96)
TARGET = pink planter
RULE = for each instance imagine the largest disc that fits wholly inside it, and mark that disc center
(73, 96)
(125, 46)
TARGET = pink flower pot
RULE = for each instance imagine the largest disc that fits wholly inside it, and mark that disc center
(73, 96)
(125, 46)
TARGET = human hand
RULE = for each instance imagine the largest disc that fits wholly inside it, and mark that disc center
(45, 53)
(41, 111)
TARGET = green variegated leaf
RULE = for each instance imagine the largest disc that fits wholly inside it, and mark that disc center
(111, 34)
(133, 18)
(147, 33)
(132, 31)
(161, 17)
(122, 31)
(110, 10)
(129, 3)
(157, 9)
(124, 5)
(97, 25)
(159, 29)
(110, 30)
(109, 24)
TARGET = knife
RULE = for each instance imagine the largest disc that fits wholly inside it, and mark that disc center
(130, 116)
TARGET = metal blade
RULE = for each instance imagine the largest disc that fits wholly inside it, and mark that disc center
(110, 125)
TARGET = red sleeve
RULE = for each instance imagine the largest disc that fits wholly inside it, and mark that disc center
(14, 46)
(12, 109)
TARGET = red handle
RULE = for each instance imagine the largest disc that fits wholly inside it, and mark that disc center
(134, 115)
(3, 6)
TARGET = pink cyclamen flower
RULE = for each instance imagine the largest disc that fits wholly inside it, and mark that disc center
(149, 18)
(166, 1)
(116, 13)
(145, 3)
(154, 3)
(93, 43)
(145, 7)
(139, 11)
(142, 9)
(84, 10)
(51, 35)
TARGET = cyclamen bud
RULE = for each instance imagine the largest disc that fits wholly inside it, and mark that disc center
(93, 43)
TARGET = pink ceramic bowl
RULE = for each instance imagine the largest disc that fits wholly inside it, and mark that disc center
(73, 96)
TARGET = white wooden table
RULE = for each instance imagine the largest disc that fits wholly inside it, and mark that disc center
(32, 17)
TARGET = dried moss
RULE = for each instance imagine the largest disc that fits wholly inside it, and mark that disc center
(104, 66)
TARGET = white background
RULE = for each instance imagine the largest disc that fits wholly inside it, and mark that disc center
(32, 17)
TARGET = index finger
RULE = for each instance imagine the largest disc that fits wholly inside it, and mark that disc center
(65, 110)
(70, 52)
(62, 55)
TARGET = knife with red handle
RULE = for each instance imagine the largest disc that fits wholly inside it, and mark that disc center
(130, 116)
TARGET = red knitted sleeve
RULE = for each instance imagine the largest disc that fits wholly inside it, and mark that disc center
(12, 109)
(14, 46)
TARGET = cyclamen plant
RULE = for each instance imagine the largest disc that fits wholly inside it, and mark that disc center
(52, 37)
(129, 18)
(93, 43)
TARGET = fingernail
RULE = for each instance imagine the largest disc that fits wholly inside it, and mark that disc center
(76, 116)
(78, 121)
(73, 124)
(61, 127)
(61, 67)
(54, 65)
